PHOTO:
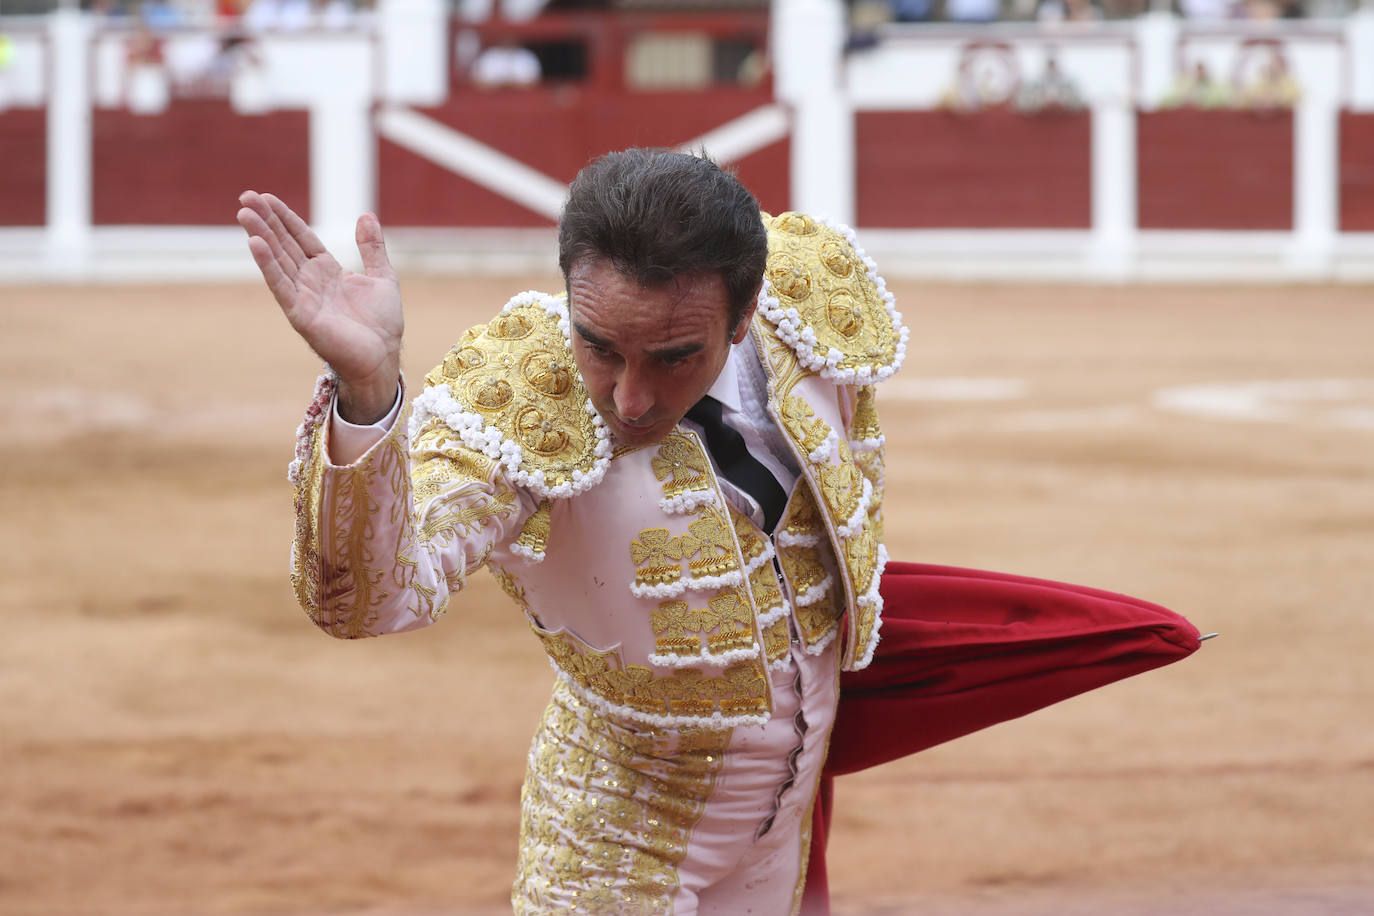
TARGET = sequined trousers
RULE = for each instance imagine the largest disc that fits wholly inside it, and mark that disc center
(619, 818)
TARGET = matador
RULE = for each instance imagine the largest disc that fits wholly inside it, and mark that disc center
(674, 469)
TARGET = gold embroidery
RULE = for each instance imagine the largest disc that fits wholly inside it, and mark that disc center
(861, 553)
(741, 689)
(607, 813)
(763, 583)
(681, 465)
(465, 513)
(709, 541)
(351, 587)
(842, 486)
(806, 429)
(651, 553)
(671, 623)
(534, 534)
(776, 640)
(864, 423)
(803, 516)
(751, 543)
(817, 272)
(817, 620)
(727, 622)
(516, 371)
(803, 568)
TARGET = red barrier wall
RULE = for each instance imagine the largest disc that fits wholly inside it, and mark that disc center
(1215, 169)
(555, 130)
(23, 184)
(187, 165)
(1357, 172)
(989, 169)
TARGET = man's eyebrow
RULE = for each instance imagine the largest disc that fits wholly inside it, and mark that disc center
(591, 337)
(679, 352)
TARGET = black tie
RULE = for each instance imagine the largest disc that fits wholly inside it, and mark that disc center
(739, 467)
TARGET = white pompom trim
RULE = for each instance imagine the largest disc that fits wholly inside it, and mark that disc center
(673, 660)
(802, 337)
(689, 501)
(673, 589)
(814, 593)
(826, 450)
(867, 445)
(527, 553)
(856, 521)
(787, 539)
(872, 598)
(437, 401)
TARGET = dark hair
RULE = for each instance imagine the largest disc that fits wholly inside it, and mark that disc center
(657, 215)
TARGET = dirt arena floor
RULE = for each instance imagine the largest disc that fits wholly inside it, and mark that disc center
(176, 738)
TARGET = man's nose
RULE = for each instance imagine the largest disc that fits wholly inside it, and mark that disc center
(633, 395)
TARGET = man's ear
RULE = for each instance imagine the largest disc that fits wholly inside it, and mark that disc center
(742, 329)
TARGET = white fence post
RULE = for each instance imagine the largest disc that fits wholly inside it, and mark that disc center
(1113, 187)
(69, 143)
(1316, 195)
(808, 52)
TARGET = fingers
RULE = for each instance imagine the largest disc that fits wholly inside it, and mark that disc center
(290, 245)
(257, 220)
(304, 237)
(282, 287)
(372, 247)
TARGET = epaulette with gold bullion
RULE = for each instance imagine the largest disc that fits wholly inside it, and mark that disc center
(826, 301)
(510, 389)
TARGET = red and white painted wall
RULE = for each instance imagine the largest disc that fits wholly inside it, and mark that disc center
(114, 164)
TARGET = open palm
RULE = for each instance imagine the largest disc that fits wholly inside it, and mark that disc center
(352, 320)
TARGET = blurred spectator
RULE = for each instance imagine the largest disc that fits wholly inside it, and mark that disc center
(277, 16)
(1068, 11)
(504, 65)
(1259, 9)
(159, 15)
(973, 10)
(912, 10)
(1052, 90)
(1195, 88)
(1273, 88)
(148, 89)
(1205, 9)
(6, 61)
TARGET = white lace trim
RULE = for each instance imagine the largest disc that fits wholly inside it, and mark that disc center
(673, 589)
(316, 413)
(802, 337)
(787, 539)
(774, 614)
(872, 598)
(759, 560)
(856, 521)
(814, 593)
(438, 402)
(528, 553)
(607, 708)
(673, 660)
(867, 445)
(822, 453)
(690, 501)
(824, 642)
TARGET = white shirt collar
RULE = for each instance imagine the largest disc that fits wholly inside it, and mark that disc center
(726, 386)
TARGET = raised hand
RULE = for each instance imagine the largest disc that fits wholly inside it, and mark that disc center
(353, 321)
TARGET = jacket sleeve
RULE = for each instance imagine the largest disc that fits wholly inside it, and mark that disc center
(381, 544)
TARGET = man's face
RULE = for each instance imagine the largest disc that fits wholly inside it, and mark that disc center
(647, 354)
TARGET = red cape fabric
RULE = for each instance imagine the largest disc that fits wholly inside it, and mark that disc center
(962, 649)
